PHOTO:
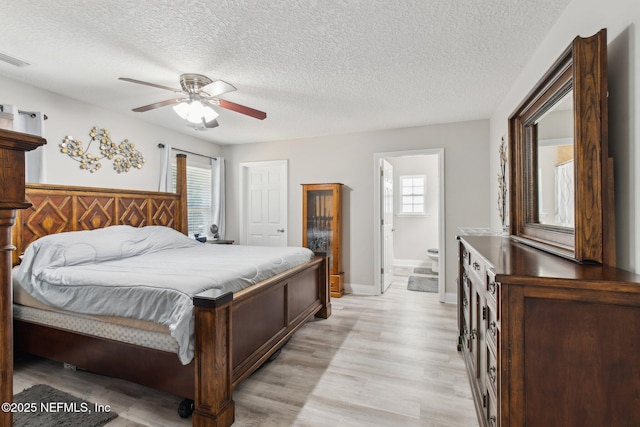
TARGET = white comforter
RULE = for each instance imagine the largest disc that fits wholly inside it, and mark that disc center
(150, 273)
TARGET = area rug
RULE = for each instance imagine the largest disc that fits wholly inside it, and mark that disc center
(45, 406)
(424, 270)
(423, 284)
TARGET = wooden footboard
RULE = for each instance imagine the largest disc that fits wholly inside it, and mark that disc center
(234, 335)
(254, 323)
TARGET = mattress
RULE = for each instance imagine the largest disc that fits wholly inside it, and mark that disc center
(97, 327)
(132, 331)
(150, 273)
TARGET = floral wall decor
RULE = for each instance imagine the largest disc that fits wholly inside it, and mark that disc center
(502, 184)
(123, 155)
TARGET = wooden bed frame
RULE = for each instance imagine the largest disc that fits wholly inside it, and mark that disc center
(234, 333)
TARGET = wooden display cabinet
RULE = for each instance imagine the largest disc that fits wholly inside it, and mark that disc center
(322, 228)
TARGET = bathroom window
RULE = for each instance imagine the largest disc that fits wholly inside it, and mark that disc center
(412, 194)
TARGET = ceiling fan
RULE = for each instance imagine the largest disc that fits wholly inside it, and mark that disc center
(199, 95)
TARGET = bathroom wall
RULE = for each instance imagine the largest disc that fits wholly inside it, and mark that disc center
(413, 235)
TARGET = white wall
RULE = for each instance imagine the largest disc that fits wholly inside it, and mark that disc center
(349, 159)
(585, 18)
(414, 235)
(67, 116)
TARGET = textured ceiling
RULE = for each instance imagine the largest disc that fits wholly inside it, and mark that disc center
(317, 67)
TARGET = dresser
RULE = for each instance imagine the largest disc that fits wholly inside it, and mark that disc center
(547, 341)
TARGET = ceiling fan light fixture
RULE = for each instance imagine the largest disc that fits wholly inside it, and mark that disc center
(209, 113)
(182, 109)
(195, 111)
(198, 101)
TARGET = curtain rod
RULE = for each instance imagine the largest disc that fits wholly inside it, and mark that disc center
(188, 152)
(32, 115)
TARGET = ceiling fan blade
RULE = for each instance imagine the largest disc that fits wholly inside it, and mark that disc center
(158, 105)
(210, 124)
(218, 88)
(261, 115)
(140, 82)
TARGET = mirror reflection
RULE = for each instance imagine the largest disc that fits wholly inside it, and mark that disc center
(555, 166)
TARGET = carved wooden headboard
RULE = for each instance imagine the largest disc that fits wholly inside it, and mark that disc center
(60, 208)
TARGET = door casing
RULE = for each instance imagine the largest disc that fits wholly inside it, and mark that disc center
(377, 232)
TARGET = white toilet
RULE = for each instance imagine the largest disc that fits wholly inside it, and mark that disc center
(434, 255)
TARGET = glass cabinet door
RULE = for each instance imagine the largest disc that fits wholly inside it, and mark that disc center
(321, 227)
(319, 223)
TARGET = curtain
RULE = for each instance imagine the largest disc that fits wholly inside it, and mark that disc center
(565, 215)
(166, 177)
(33, 124)
(218, 195)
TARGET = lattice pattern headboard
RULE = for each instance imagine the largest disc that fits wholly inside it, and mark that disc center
(58, 208)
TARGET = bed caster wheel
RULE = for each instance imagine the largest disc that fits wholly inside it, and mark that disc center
(275, 355)
(185, 409)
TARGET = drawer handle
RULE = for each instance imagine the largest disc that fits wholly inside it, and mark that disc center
(474, 334)
(492, 288)
(492, 421)
(492, 374)
(493, 329)
(476, 266)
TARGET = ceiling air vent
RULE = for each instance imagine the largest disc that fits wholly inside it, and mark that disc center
(13, 61)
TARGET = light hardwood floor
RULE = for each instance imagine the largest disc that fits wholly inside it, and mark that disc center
(389, 360)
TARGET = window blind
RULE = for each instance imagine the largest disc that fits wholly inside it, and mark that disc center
(198, 197)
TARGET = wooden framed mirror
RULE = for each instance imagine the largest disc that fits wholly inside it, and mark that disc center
(561, 180)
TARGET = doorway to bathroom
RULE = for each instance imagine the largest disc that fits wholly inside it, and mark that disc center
(409, 219)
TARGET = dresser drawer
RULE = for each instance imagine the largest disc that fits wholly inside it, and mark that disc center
(492, 410)
(465, 280)
(464, 255)
(477, 265)
(466, 337)
(493, 330)
(492, 370)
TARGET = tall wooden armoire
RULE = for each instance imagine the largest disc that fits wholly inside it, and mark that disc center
(322, 228)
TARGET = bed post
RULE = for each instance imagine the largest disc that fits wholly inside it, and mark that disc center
(181, 189)
(213, 403)
(12, 197)
(325, 293)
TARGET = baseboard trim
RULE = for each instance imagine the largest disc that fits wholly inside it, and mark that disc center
(451, 298)
(360, 289)
(412, 263)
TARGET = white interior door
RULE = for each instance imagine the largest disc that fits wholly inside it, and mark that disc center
(265, 203)
(387, 224)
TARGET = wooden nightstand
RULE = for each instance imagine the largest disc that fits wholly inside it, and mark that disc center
(221, 242)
